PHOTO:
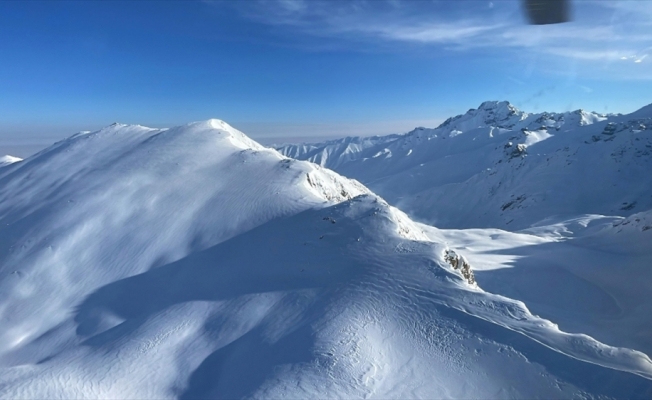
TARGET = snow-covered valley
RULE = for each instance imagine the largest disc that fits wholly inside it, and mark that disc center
(193, 262)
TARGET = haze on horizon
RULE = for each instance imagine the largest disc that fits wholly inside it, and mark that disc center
(290, 69)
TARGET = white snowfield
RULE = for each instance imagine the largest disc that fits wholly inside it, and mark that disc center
(194, 263)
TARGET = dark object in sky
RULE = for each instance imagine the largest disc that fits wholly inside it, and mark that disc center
(543, 12)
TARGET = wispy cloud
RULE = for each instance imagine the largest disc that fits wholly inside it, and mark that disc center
(433, 33)
(603, 31)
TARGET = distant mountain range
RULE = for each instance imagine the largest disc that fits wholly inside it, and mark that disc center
(497, 166)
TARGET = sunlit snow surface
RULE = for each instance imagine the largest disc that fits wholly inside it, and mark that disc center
(194, 263)
(7, 160)
(498, 167)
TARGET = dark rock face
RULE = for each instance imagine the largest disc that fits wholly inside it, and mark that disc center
(459, 263)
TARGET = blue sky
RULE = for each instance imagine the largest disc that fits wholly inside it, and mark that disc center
(294, 68)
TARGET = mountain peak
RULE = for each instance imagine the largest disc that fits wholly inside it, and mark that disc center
(211, 123)
(504, 108)
(500, 114)
(494, 104)
(217, 123)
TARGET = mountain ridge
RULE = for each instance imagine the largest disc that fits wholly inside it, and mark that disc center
(490, 148)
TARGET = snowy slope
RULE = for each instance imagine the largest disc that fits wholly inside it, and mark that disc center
(589, 274)
(334, 153)
(500, 167)
(7, 160)
(192, 262)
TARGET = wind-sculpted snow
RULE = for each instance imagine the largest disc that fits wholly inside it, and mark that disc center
(500, 167)
(7, 160)
(192, 262)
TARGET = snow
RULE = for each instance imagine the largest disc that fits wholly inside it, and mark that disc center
(193, 262)
(339, 150)
(586, 274)
(7, 160)
(574, 190)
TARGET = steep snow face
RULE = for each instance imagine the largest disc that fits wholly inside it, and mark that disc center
(500, 167)
(191, 262)
(6, 160)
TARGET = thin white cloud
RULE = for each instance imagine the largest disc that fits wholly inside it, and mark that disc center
(293, 5)
(604, 31)
(587, 55)
(436, 33)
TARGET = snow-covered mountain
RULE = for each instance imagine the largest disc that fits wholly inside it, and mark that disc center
(336, 152)
(500, 167)
(192, 262)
